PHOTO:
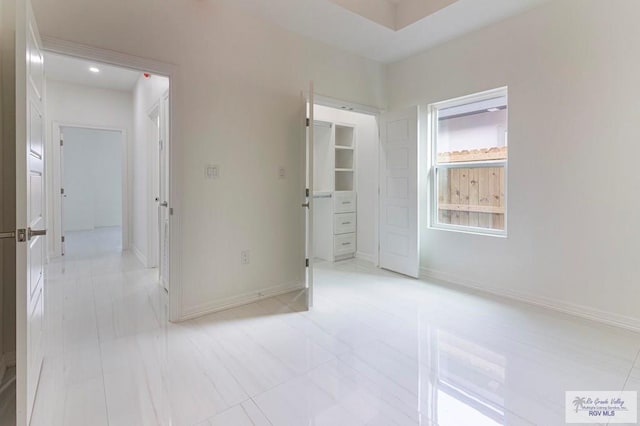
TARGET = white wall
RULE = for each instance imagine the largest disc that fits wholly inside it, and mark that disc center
(237, 105)
(92, 179)
(367, 145)
(73, 104)
(146, 94)
(572, 70)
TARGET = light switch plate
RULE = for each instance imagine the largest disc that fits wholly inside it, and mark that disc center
(212, 171)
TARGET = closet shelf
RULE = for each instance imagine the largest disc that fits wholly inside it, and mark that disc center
(348, 148)
(344, 170)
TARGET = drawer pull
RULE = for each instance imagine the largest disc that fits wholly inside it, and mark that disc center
(346, 223)
(346, 202)
(346, 244)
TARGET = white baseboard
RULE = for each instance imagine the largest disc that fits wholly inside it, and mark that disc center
(235, 301)
(604, 317)
(141, 257)
(366, 256)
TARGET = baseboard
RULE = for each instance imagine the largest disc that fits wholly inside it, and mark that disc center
(573, 309)
(141, 257)
(235, 301)
(366, 256)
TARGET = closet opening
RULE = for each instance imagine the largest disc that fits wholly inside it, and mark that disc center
(345, 187)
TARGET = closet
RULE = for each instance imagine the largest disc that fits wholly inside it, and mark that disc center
(335, 197)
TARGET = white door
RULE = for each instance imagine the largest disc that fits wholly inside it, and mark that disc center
(30, 202)
(399, 239)
(63, 195)
(163, 213)
(154, 188)
(308, 194)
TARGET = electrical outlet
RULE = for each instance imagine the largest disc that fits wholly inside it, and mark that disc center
(212, 171)
(282, 173)
(244, 257)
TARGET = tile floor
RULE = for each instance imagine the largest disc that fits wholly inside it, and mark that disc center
(377, 349)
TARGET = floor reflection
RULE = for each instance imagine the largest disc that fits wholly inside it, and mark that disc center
(465, 383)
(377, 349)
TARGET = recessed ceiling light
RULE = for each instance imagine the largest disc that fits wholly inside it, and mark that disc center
(94, 69)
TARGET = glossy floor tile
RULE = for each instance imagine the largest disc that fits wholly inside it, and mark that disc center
(376, 349)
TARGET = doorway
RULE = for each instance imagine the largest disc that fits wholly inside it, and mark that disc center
(346, 156)
(92, 193)
(160, 212)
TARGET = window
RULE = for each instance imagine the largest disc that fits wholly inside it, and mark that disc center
(469, 163)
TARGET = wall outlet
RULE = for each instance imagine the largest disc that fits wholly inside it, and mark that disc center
(244, 257)
(282, 173)
(212, 171)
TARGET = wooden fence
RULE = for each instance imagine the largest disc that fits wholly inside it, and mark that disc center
(472, 196)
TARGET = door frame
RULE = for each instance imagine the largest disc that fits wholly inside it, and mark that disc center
(56, 168)
(338, 104)
(137, 63)
(153, 173)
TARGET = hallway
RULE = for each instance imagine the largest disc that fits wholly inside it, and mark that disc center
(377, 349)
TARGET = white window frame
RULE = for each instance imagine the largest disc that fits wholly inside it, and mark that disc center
(434, 167)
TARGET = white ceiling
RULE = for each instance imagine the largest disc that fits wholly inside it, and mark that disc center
(326, 21)
(73, 70)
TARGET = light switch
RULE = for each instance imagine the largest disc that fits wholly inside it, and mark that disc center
(212, 171)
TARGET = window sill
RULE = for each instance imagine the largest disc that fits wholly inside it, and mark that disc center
(469, 230)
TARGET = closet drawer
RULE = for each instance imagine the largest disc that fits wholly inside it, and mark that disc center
(344, 244)
(345, 202)
(344, 223)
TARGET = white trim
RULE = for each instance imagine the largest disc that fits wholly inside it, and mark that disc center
(56, 182)
(153, 252)
(351, 106)
(603, 317)
(141, 257)
(175, 151)
(243, 299)
(111, 57)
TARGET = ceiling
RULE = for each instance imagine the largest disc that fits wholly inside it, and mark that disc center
(380, 35)
(73, 70)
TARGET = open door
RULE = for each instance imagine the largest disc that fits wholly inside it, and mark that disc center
(163, 213)
(399, 231)
(307, 205)
(30, 207)
(63, 195)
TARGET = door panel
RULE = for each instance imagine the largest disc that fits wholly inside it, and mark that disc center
(30, 212)
(164, 214)
(308, 188)
(399, 250)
